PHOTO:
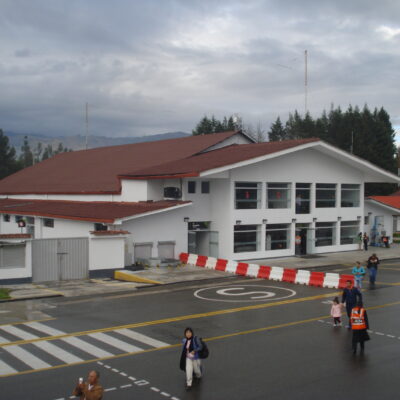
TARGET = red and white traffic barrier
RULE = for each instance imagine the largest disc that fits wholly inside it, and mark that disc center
(299, 276)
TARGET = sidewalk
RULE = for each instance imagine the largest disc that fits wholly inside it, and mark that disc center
(171, 275)
(320, 260)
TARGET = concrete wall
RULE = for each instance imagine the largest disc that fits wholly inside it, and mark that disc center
(106, 252)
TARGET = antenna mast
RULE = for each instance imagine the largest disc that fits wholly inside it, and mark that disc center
(87, 125)
(305, 82)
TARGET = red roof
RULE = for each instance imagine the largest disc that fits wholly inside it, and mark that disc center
(96, 171)
(15, 236)
(193, 165)
(109, 233)
(396, 193)
(94, 211)
(391, 201)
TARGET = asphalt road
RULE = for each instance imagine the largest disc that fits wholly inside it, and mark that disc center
(267, 341)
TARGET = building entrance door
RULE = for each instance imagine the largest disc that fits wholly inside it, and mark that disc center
(301, 239)
(203, 242)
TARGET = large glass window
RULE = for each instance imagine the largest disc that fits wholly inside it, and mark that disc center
(191, 187)
(325, 234)
(350, 195)
(325, 195)
(247, 195)
(277, 236)
(278, 195)
(6, 218)
(349, 232)
(303, 196)
(246, 238)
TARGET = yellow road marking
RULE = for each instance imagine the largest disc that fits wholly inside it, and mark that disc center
(391, 269)
(25, 322)
(49, 290)
(220, 337)
(174, 319)
(388, 283)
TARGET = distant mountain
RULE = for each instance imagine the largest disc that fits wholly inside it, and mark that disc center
(77, 142)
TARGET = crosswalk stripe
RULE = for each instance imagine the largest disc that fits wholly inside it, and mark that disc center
(141, 338)
(26, 357)
(44, 328)
(86, 347)
(119, 344)
(3, 340)
(57, 352)
(6, 369)
(13, 330)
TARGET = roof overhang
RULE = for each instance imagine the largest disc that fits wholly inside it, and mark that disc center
(118, 221)
(371, 172)
(382, 205)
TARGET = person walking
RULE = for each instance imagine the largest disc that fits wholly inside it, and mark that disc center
(358, 271)
(360, 240)
(190, 360)
(372, 265)
(365, 241)
(351, 295)
(359, 326)
(336, 312)
(90, 390)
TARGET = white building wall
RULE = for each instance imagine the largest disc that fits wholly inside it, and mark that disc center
(106, 252)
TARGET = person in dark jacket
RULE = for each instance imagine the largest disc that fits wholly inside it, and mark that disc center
(351, 295)
(190, 360)
(360, 326)
(372, 265)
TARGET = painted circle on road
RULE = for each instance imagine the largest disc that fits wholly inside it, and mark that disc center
(244, 293)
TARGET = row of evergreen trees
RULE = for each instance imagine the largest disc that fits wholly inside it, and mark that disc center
(364, 133)
(10, 162)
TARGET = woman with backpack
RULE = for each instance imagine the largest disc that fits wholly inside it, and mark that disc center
(190, 357)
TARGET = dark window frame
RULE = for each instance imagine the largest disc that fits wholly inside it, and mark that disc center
(205, 187)
(48, 222)
(191, 187)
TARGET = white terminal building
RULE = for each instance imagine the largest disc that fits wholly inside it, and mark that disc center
(219, 195)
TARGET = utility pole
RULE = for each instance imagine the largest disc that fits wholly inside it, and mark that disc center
(87, 125)
(305, 82)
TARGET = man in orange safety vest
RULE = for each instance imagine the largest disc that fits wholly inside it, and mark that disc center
(359, 326)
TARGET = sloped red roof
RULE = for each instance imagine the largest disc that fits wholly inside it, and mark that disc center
(217, 158)
(391, 201)
(96, 171)
(95, 211)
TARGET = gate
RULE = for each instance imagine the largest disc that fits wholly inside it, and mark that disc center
(12, 255)
(60, 259)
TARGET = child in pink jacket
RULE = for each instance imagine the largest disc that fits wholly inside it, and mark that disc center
(336, 312)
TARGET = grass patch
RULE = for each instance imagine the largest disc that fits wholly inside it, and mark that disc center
(4, 294)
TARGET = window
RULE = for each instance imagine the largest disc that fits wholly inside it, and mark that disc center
(350, 195)
(191, 187)
(100, 227)
(247, 195)
(366, 220)
(278, 195)
(325, 195)
(30, 221)
(48, 222)
(246, 238)
(325, 234)
(277, 236)
(205, 187)
(303, 196)
(18, 218)
(6, 218)
(349, 232)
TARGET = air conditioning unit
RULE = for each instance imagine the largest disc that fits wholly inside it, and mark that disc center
(172, 193)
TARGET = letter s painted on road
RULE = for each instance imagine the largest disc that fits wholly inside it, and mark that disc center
(262, 294)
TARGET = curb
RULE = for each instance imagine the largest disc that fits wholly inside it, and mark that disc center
(289, 275)
(128, 277)
(30, 298)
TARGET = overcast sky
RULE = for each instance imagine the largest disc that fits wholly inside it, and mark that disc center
(149, 66)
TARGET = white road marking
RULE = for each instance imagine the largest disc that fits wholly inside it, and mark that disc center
(19, 333)
(86, 347)
(3, 340)
(123, 374)
(174, 398)
(57, 352)
(141, 338)
(45, 329)
(379, 333)
(165, 394)
(141, 382)
(119, 344)
(115, 370)
(154, 389)
(26, 357)
(132, 378)
(5, 369)
(5, 311)
(110, 389)
(126, 386)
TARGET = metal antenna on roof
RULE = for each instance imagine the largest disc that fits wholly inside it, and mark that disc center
(305, 82)
(87, 125)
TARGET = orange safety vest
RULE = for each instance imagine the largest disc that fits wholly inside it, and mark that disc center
(358, 319)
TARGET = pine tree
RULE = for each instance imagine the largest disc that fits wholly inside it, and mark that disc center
(26, 157)
(8, 162)
(277, 131)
